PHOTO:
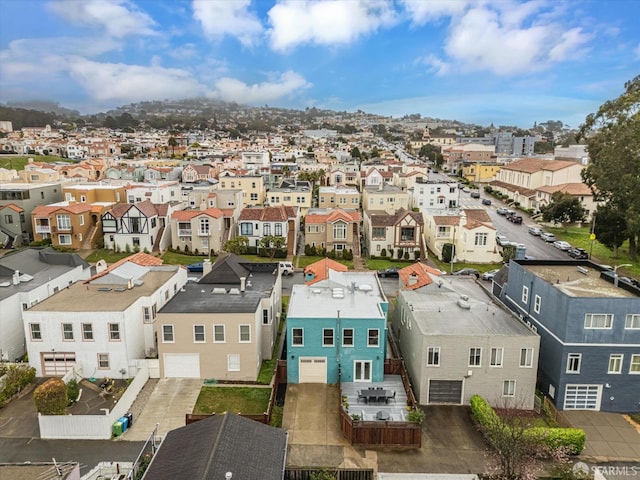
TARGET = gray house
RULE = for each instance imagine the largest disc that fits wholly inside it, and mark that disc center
(457, 344)
(589, 332)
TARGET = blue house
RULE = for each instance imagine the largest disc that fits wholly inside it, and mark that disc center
(337, 330)
(589, 329)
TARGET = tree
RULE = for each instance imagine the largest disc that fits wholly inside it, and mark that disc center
(433, 153)
(51, 397)
(173, 143)
(271, 244)
(564, 209)
(355, 152)
(543, 147)
(286, 170)
(610, 227)
(237, 245)
(612, 135)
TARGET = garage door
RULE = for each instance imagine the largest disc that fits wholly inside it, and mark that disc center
(313, 370)
(445, 391)
(582, 397)
(182, 365)
(56, 364)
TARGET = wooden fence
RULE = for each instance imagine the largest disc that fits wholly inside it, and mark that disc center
(395, 366)
(392, 434)
(338, 473)
(556, 414)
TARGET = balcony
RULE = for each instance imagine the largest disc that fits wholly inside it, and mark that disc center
(184, 232)
(62, 229)
(204, 233)
(43, 228)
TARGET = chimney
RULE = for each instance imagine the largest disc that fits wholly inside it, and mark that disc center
(243, 283)
(206, 267)
(16, 277)
(413, 279)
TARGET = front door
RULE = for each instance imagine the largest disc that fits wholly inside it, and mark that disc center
(362, 371)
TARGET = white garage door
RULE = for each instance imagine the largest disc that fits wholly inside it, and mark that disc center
(582, 397)
(182, 365)
(313, 370)
(56, 364)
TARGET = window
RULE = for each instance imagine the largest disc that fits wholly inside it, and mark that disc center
(525, 294)
(81, 219)
(63, 222)
(67, 331)
(87, 332)
(136, 241)
(327, 337)
(496, 357)
(408, 234)
(198, 334)
(481, 239)
(509, 388)
(433, 356)
(373, 337)
(233, 362)
(475, 356)
(204, 226)
(266, 229)
(278, 229)
(265, 316)
(573, 362)
(246, 229)
(536, 303)
(615, 363)
(526, 357)
(167, 334)
(245, 333)
(114, 332)
(632, 321)
(36, 333)
(378, 232)
(103, 361)
(297, 337)
(347, 337)
(340, 231)
(64, 239)
(598, 320)
(254, 197)
(634, 367)
(218, 334)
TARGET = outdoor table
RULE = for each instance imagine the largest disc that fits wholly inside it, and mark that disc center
(382, 415)
(376, 395)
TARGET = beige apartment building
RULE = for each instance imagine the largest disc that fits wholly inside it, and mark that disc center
(339, 197)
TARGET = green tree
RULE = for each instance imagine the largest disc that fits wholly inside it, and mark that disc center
(543, 147)
(610, 227)
(286, 171)
(612, 135)
(237, 245)
(173, 143)
(433, 153)
(51, 397)
(355, 152)
(271, 244)
(563, 209)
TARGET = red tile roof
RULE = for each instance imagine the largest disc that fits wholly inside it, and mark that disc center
(184, 215)
(320, 269)
(332, 216)
(421, 273)
(569, 188)
(13, 207)
(140, 258)
(532, 165)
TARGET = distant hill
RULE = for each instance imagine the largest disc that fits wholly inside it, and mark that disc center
(45, 106)
(21, 117)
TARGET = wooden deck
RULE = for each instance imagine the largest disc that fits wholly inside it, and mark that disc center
(397, 409)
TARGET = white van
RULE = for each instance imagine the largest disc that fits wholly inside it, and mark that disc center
(286, 268)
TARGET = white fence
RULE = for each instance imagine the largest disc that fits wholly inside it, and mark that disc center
(93, 427)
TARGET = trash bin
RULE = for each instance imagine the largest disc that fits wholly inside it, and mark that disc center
(116, 430)
(125, 423)
(129, 419)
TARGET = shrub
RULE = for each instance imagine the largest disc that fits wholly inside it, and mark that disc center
(482, 411)
(416, 416)
(416, 254)
(51, 397)
(127, 248)
(73, 390)
(406, 255)
(383, 253)
(16, 379)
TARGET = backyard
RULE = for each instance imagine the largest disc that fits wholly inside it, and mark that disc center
(245, 400)
(17, 162)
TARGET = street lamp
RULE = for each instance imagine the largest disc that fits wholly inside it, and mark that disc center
(615, 274)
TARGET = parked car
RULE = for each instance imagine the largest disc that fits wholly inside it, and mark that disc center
(286, 268)
(389, 272)
(513, 218)
(486, 201)
(562, 245)
(490, 274)
(502, 211)
(501, 239)
(475, 195)
(195, 267)
(548, 237)
(578, 253)
(468, 271)
(466, 189)
(535, 231)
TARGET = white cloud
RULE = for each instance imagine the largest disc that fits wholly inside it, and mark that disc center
(435, 64)
(233, 90)
(423, 11)
(571, 42)
(119, 18)
(131, 83)
(228, 17)
(326, 22)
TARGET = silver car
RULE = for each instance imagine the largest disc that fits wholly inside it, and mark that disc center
(548, 237)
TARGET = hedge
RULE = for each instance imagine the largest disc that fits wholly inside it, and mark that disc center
(17, 378)
(572, 439)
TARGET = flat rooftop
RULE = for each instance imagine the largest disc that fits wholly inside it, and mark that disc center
(575, 283)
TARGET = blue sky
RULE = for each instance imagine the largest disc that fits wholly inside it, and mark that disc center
(508, 62)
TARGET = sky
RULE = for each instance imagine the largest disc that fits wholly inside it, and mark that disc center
(506, 62)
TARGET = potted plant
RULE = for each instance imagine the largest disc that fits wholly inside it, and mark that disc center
(416, 416)
(355, 417)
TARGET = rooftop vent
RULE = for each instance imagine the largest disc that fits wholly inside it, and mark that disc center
(463, 302)
(219, 290)
(120, 289)
(316, 291)
(365, 287)
(104, 289)
(338, 293)
(234, 291)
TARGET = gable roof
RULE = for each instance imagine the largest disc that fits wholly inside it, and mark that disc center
(49, 209)
(477, 217)
(268, 214)
(532, 165)
(140, 258)
(209, 448)
(183, 215)
(320, 269)
(568, 188)
(332, 216)
(446, 220)
(13, 207)
(385, 220)
(227, 269)
(422, 274)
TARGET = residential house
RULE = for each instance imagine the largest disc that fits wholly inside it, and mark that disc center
(455, 155)
(477, 172)
(344, 174)
(251, 186)
(282, 221)
(192, 173)
(292, 193)
(27, 277)
(520, 180)
(588, 320)
(456, 344)
(577, 190)
(317, 271)
(254, 161)
(333, 229)
(94, 193)
(224, 325)
(38, 172)
(399, 235)
(384, 198)
(102, 325)
(157, 192)
(336, 330)
(427, 195)
(200, 231)
(134, 226)
(219, 447)
(374, 177)
(339, 197)
(407, 181)
(16, 228)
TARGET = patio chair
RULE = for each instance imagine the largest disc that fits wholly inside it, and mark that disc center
(394, 396)
(361, 396)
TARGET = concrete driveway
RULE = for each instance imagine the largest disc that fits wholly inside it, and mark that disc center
(19, 418)
(610, 437)
(170, 400)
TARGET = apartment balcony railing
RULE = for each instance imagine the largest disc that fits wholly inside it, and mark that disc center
(63, 229)
(203, 233)
(43, 228)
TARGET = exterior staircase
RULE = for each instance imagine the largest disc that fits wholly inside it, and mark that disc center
(156, 243)
(87, 242)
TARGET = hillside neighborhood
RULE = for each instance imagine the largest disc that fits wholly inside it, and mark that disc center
(338, 293)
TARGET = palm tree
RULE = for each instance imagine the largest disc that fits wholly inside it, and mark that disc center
(173, 143)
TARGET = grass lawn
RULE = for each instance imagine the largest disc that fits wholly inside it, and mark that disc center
(108, 256)
(232, 399)
(259, 259)
(383, 263)
(446, 267)
(172, 258)
(17, 162)
(304, 260)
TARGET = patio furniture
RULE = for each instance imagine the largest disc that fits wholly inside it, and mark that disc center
(383, 415)
(376, 395)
